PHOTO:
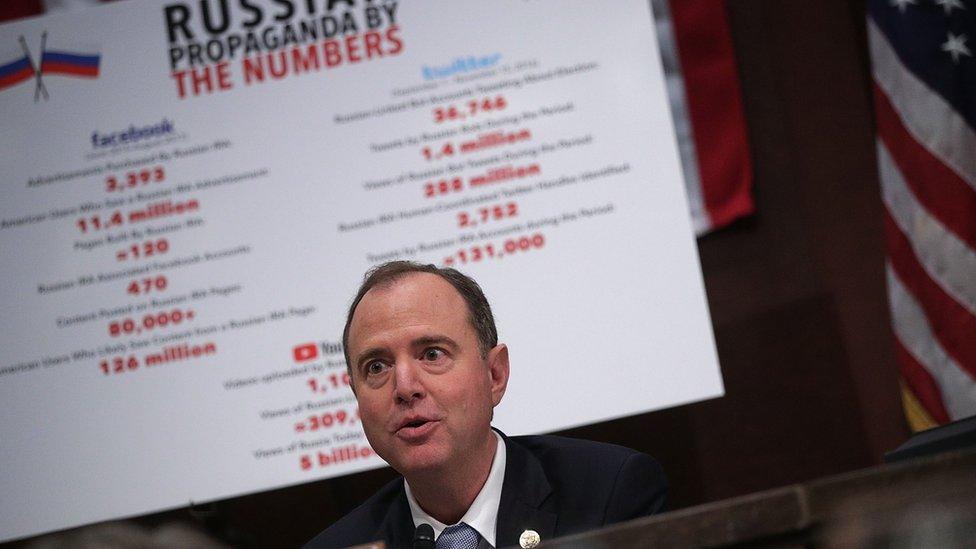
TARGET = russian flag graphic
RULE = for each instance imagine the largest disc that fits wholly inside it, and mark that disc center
(73, 64)
(15, 71)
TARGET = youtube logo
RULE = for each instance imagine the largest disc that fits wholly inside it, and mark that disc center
(307, 351)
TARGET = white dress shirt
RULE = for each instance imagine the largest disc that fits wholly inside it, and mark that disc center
(483, 513)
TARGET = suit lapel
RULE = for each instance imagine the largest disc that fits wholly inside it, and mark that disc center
(524, 493)
(397, 528)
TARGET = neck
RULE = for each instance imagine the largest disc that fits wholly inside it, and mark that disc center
(447, 493)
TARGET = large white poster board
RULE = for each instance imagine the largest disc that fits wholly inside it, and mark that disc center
(190, 198)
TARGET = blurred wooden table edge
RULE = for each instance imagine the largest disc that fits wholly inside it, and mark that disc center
(796, 515)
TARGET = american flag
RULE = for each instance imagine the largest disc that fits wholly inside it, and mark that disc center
(706, 105)
(925, 105)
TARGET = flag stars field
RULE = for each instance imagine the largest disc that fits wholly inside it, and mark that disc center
(949, 5)
(956, 46)
(902, 5)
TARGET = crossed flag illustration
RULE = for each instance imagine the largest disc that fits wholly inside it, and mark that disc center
(22, 68)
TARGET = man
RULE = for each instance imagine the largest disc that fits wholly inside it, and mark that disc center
(427, 371)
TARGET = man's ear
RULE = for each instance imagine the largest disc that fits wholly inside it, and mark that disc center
(498, 370)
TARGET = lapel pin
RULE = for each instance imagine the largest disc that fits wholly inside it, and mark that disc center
(529, 539)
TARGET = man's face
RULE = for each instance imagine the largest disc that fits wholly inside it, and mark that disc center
(425, 393)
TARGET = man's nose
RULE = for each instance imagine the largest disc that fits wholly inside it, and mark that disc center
(409, 381)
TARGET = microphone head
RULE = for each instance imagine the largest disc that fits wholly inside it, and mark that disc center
(423, 537)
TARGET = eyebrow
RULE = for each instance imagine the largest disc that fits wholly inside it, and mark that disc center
(434, 340)
(370, 354)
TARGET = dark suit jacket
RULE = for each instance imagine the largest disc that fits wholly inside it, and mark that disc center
(553, 485)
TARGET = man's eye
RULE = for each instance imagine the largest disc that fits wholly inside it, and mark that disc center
(433, 354)
(375, 368)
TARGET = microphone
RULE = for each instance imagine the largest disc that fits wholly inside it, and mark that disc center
(423, 538)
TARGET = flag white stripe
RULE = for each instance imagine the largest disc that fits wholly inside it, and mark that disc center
(675, 83)
(947, 260)
(86, 48)
(929, 118)
(912, 328)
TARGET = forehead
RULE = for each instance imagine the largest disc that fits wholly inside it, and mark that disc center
(412, 303)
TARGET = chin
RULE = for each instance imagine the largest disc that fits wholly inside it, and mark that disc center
(421, 459)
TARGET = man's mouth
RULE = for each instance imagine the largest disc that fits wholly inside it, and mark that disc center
(414, 423)
(416, 430)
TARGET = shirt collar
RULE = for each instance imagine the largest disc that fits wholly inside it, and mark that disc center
(483, 513)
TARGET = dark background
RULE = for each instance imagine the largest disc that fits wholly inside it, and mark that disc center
(796, 293)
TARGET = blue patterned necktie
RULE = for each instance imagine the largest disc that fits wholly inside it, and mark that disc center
(459, 536)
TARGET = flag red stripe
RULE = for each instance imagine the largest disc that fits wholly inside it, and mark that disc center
(939, 189)
(953, 325)
(701, 30)
(921, 383)
(21, 8)
(19, 76)
(66, 68)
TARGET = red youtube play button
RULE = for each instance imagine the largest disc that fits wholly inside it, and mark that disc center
(305, 352)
